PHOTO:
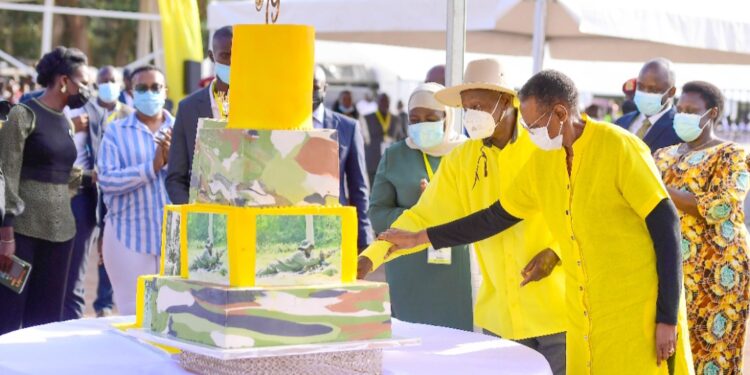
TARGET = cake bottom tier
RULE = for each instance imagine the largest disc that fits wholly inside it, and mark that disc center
(229, 318)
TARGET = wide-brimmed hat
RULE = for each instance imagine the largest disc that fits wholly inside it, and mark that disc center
(486, 74)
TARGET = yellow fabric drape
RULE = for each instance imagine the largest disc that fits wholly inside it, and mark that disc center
(181, 40)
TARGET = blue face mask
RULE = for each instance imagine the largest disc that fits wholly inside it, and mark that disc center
(688, 126)
(149, 103)
(108, 92)
(649, 104)
(426, 135)
(222, 71)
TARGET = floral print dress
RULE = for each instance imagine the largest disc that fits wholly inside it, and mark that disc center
(714, 251)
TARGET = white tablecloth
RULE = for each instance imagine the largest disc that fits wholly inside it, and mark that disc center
(90, 346)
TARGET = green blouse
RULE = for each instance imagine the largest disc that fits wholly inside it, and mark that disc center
(426, 293)
(41, 210)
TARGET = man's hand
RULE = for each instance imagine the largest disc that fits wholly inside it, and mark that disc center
(666, 340)
(364, 266)
(423, 185)
(161, 155)
(81, 123)
(402, 239)
(540, 266)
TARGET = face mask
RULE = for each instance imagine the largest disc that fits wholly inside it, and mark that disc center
(480, 124)
(108, 92)
(688, 126)
(426, 135)
(346, 109)
(149, 103)
(80, 99)
(540, 137)
(222, 71)
(649, 104)
(318, 97)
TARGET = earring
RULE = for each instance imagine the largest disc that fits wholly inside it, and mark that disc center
(63, 89)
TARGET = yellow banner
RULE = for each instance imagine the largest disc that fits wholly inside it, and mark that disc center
(181, 40)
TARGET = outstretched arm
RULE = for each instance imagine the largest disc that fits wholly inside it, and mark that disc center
(475, 227)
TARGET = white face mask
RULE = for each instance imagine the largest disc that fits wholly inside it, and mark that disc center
(540, 135)
(480, 124)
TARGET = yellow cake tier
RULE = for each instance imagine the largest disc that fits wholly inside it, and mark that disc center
(272, 74)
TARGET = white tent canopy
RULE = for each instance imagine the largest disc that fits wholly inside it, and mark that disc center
(635, 30)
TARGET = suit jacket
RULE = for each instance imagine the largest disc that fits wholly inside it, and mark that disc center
(373, 150)
(352, 170)
(190, 109)
(662, 133)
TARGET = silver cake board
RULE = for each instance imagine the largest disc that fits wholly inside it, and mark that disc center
(272, 351)
(352, 357)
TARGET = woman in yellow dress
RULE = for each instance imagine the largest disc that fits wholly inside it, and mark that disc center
(708, 178)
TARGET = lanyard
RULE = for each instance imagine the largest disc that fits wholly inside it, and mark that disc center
(428, 167)
(385, 123)
(113, 114)
(219, 102)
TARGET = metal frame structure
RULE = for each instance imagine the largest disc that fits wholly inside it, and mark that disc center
(149, 29)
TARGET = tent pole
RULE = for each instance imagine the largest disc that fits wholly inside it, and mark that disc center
(47, 26)
(539, 39)
(454, 52)
(456, 42)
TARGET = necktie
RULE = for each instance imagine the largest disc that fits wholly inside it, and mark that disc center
(644, 128)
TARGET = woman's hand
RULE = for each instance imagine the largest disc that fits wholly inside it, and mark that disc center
(666, 341)
(540, 266)
(423, 185)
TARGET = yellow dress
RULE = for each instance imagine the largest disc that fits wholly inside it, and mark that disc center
(597, 214)
(714, 251)
(459, 188)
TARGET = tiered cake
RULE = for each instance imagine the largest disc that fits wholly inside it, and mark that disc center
(264, 255)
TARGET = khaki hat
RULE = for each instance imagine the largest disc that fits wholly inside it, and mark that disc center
(485, 74)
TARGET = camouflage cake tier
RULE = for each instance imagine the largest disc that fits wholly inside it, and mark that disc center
(233, 318)
(264, 168)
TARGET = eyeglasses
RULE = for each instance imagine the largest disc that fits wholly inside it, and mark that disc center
(142, 87)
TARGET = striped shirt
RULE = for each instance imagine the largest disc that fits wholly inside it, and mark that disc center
(134, 194)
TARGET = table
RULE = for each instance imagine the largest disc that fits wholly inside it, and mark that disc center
(87, 346)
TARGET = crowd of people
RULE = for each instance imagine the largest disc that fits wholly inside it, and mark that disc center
(606, 247)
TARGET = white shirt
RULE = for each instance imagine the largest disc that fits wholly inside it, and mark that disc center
(638, 123)
(319, 116)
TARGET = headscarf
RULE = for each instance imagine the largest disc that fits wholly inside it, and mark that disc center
(424, 97)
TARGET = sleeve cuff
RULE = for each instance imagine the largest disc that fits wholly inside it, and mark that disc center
(8, 220)
(649, 204)
(376, 253)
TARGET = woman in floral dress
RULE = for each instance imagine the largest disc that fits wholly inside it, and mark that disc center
(708, 178)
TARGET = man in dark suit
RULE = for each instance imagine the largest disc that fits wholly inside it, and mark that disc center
(208, 102)
(655, 91)
(354, 190)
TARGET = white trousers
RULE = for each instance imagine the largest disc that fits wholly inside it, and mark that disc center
(123, 267)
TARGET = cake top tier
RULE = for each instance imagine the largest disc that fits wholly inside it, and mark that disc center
(272, 75)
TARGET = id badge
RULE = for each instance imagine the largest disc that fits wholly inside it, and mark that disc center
(439, 256)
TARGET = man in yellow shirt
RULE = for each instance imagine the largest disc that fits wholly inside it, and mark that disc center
(469, 179)
(597, 187)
